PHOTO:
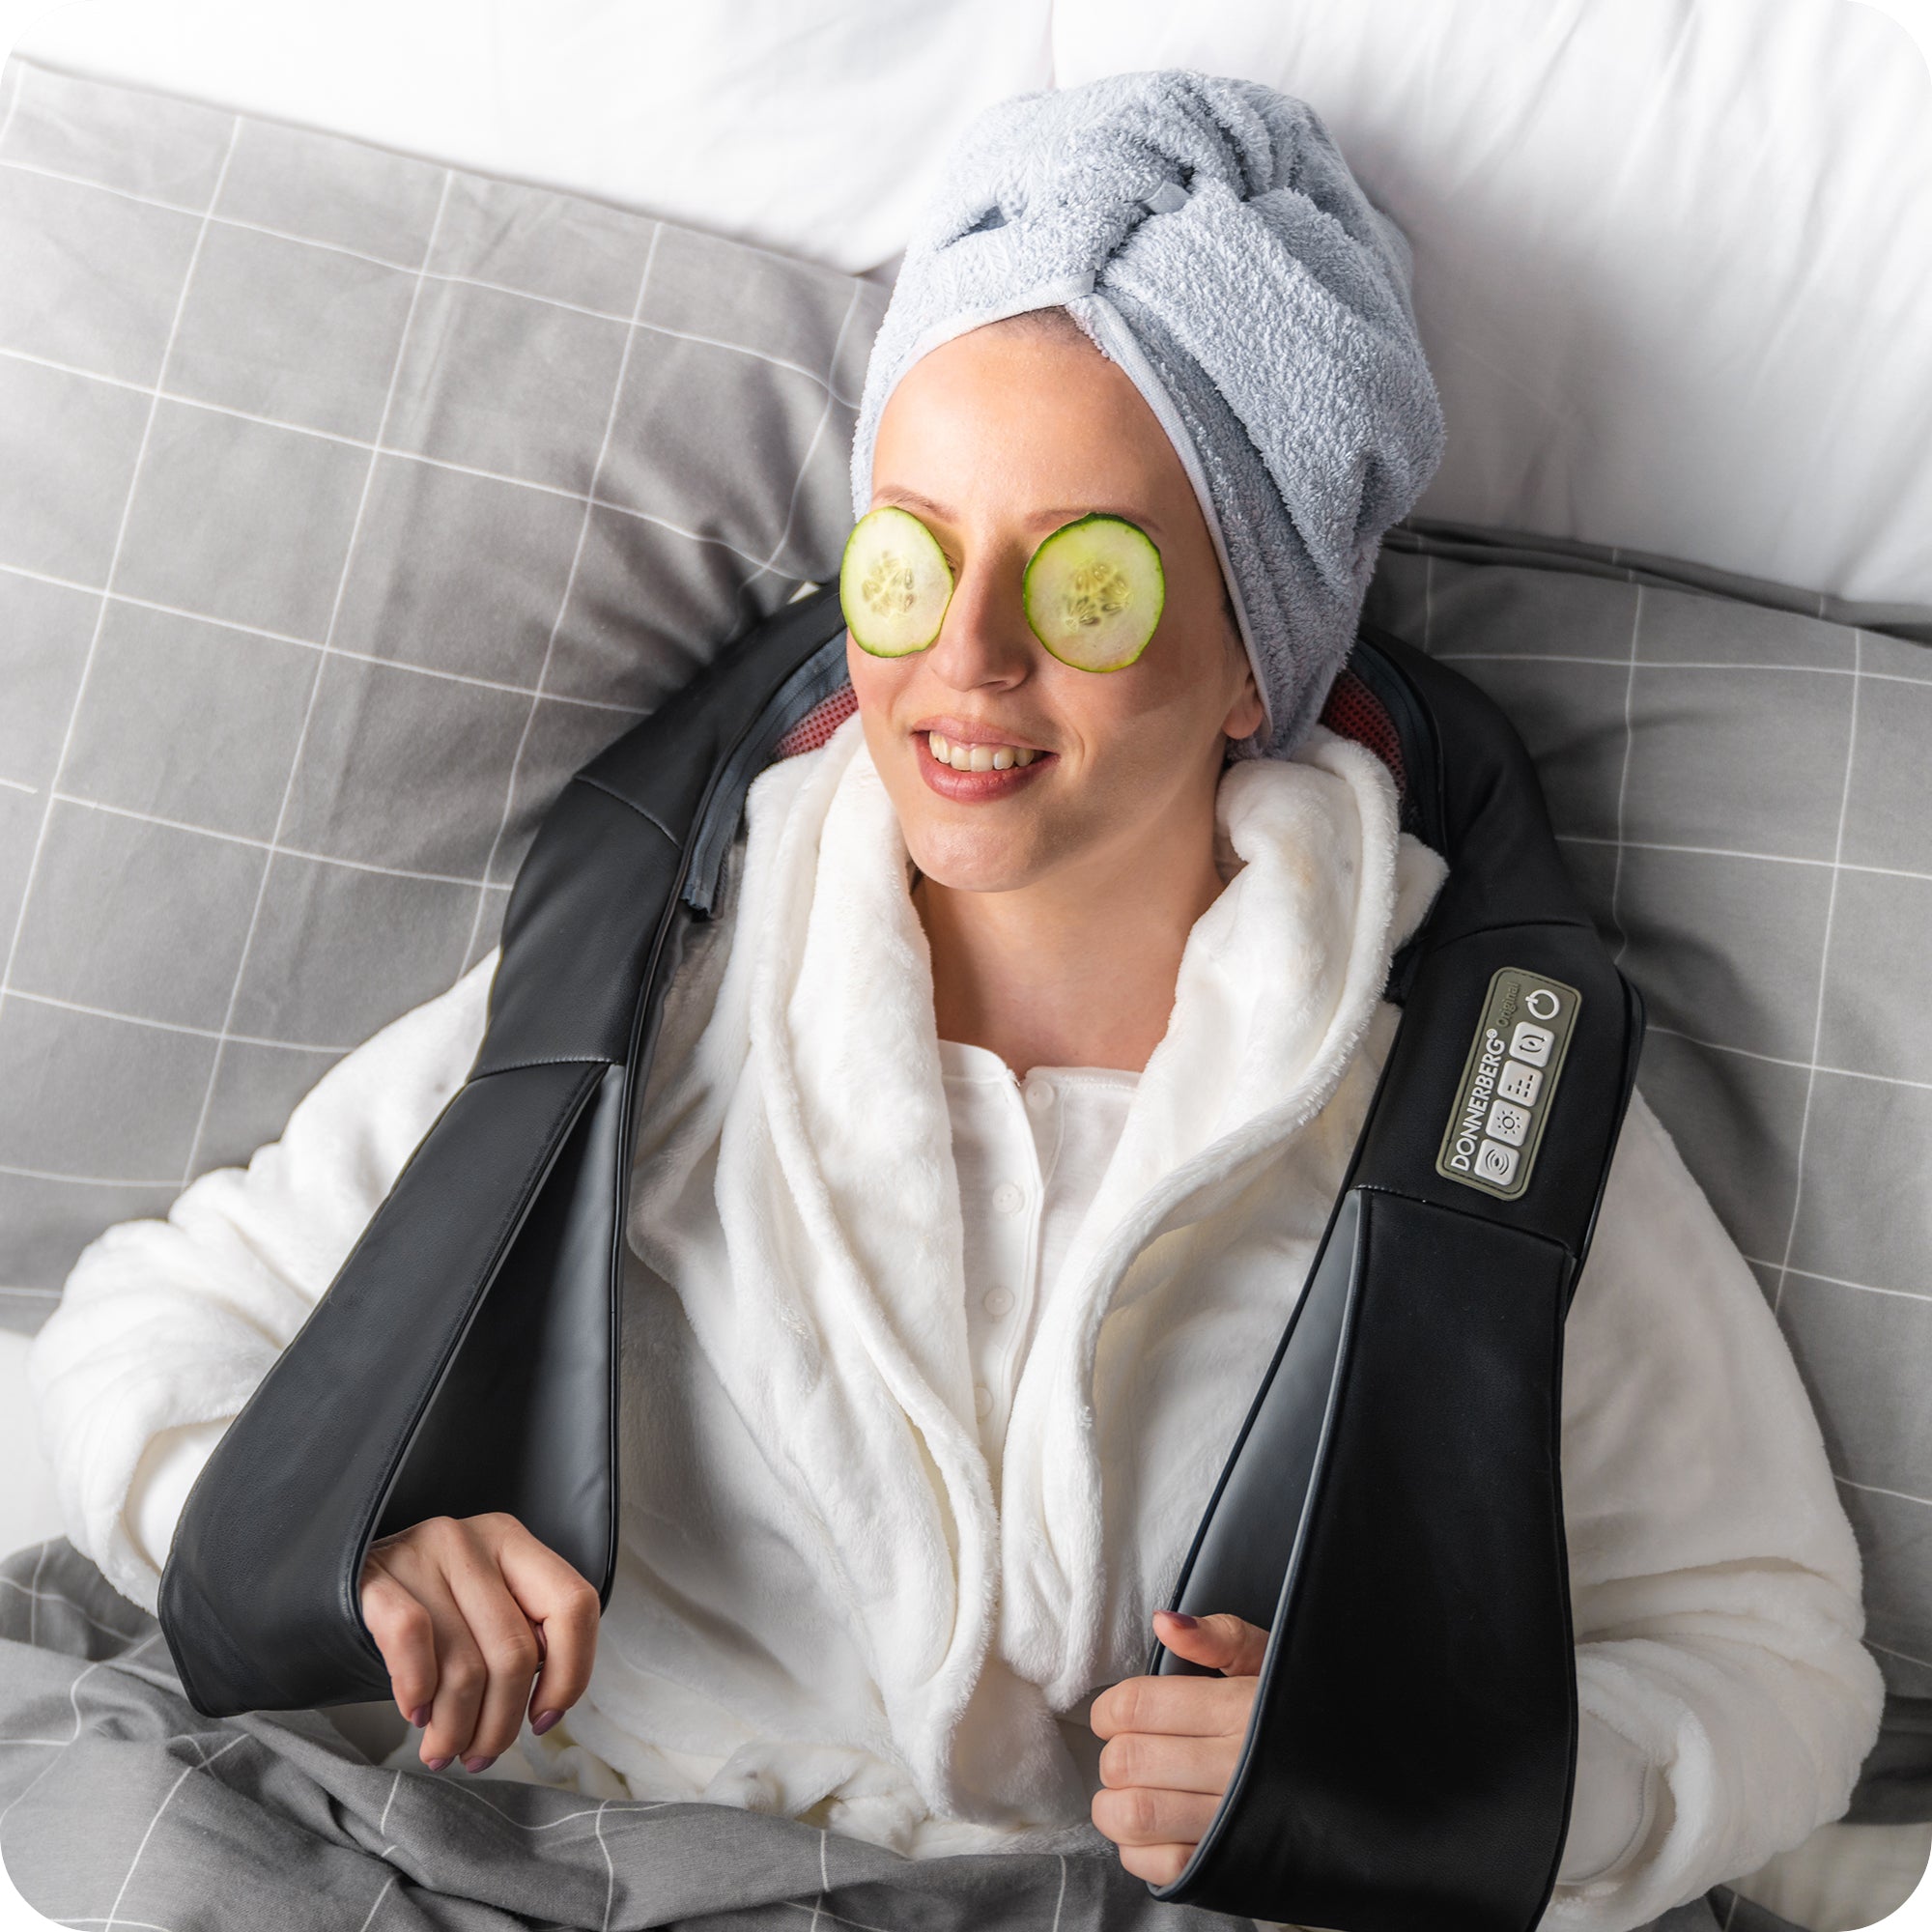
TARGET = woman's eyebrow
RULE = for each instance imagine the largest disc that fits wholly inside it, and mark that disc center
(912, 499)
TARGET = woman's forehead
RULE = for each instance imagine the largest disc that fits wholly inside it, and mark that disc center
(1042, 517)
(1044, 421)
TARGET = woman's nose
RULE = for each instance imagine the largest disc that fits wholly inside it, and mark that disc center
(984, 638)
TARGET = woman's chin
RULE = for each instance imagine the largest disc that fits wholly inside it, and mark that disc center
(975, 861)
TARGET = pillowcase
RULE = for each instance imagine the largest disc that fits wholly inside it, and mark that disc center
(807, 125)
(1737, 778)
(1673, 261)
(348, 505)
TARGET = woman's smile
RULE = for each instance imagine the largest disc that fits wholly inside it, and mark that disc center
(971, 763)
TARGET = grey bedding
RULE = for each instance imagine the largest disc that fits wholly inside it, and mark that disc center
(1737, 778)
(348, 505)
(119, 1802)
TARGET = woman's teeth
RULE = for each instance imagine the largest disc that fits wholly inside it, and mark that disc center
(978, 757)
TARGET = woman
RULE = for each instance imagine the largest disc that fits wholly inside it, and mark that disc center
(995, 1122)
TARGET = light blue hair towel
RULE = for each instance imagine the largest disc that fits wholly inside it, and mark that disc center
(1207, 236)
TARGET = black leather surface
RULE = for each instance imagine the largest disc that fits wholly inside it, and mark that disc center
(526, 1420)
(1392, 1508)
(465, 1357)
(1392, 1511)
(1412, 1749)
(258, 1599)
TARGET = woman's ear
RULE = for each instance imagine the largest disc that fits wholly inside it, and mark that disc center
(1247, 714)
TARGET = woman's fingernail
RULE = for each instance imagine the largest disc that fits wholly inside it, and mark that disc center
(543, 1720)
(420, 1717)
(479, 1763)
(436, 1763)
(1181, 1618)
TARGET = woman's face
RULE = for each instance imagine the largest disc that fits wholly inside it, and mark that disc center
(993, 441)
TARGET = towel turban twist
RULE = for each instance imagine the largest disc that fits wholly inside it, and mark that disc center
(1207, 236)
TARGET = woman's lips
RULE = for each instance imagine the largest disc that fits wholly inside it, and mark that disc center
(973, 787)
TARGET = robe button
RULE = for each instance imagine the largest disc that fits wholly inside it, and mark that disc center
(1008, 1199)
(983, 1399)
(998, 1300)
(1039, 1095)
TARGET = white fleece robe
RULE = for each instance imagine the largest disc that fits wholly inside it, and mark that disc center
(818, 1607)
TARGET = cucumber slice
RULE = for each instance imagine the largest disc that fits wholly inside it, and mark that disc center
(894, 583)
(1094, 593)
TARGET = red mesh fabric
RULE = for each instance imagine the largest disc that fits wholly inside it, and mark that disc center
(818, 724)
(1354, 710)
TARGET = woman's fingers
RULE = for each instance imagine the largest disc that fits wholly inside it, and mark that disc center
(562, 1606)
(1172, 1744)
(1229, 1644)
(1147, 1815)
(505, 1642)
(418, 1562)
(442, 1551)
(467, 1613)
(1171, 1763)
(1185, 1706)
(1157, 1864)
(404, 1635)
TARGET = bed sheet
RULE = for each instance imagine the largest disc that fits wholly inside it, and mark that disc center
(126, 1786)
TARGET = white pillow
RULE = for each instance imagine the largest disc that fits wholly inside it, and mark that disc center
(799, 124)
(1673, 257)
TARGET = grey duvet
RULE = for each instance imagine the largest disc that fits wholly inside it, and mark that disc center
(120, 1804)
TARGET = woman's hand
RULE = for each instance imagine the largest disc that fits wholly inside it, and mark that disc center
(1173, 1742)
(465, 1612)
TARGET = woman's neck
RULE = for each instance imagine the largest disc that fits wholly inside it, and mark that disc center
(1076, 971)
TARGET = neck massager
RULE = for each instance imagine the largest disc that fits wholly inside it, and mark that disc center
(1392, 1509)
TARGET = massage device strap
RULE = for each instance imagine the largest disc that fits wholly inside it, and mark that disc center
(1392, 1508)
(465, 1358)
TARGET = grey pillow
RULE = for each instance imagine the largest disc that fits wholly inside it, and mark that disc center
(1738, 775)
(408, 490)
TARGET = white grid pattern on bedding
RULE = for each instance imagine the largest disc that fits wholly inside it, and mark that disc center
(1836, 865)
(824, 379)
(1793, 758)
(1623, 780)
(1824, 974)
(378, 447)
(314, 683)
(173, 1860)
(312, 644)
(113, 563)
(762, 551)
(450, 1792)
(819, 1911)
(765, 565)
(569, 584)
(1833, 865)
(326, 647)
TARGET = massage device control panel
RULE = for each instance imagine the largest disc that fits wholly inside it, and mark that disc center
(1509, 1079)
